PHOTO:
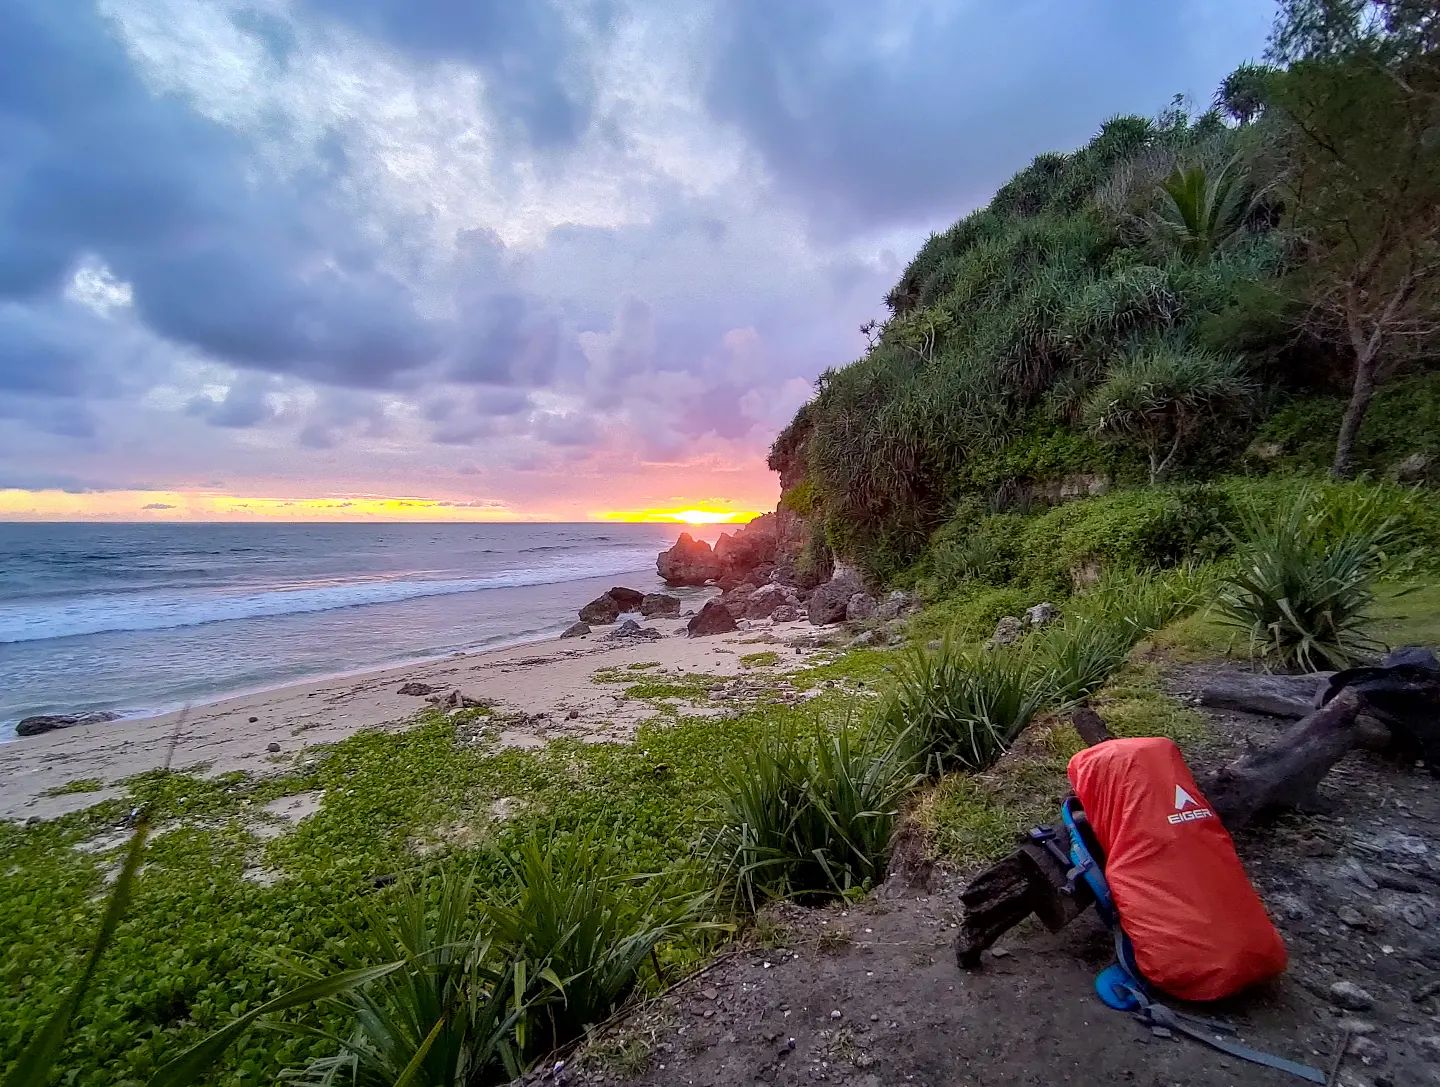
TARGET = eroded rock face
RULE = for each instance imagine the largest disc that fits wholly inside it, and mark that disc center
(603, 609)
(689, 562)
(659, 605)
(713, 618)
(828, 603)
(49, 722)
(628, 599)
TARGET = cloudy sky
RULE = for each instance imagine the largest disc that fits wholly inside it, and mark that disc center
(478, 258)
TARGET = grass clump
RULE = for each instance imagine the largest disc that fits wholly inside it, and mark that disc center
(809, 812)
(79, 785)
(1303, 591)
(765, 659)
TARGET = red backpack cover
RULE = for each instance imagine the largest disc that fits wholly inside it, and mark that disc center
(1198, 928)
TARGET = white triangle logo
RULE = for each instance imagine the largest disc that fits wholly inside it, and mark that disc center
(1183, 799)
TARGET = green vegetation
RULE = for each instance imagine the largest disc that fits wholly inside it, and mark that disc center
(1151, 305)
(809, 811)
(766, 659)
(1303, 589)
(79, 785)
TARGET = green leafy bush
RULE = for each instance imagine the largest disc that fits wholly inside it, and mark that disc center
(958, 708)
(809, 812)
(1304, 586)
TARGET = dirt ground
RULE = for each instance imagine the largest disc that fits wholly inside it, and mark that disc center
(869, 995)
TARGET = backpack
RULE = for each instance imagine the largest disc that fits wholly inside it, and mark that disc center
(1169, 885)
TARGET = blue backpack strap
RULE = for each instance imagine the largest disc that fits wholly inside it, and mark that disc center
(1121, 985)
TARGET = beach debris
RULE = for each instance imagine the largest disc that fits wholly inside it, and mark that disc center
(576, 630)
(659, 605)
(628, 599)
(49, 722)
(1272, 695)
(414, 687)
(603, 609)
(457, 700)
(714, 618)
(631, 630)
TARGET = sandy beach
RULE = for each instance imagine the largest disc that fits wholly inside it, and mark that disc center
(543, 690)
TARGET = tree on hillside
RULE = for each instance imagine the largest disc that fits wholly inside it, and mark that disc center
(1243, 92)
(1361, 101)
(1161, 398)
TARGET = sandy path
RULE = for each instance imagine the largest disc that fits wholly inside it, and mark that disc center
(550, 681)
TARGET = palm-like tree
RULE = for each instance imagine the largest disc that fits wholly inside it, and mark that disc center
(1199, 211)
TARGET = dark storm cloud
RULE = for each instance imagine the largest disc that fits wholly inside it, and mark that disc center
(245, 404)
(858, 130)
(524, 47)
(245, 270)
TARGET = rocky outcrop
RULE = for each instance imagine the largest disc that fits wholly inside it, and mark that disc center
(576, 630)
(859, 607)
(1008, 631)
(659, 606)
(49, 722)
(829, 602)
(689, 562)
(713, 618)
(767, 599)
(737, 598)
(603, 609)
(628, 599)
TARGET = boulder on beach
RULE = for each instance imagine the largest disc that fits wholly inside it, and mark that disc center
(628, 599)
(785, 613)
(603, 609)
(689, 562)
(829, 602)
(416, 688)
(659, 605)
(633, 631)
(762, 603)
(49, 722)
(575, 630)
(860, 607)
(714, 618)
(737, 598)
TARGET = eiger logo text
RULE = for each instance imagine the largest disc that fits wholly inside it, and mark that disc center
(1187, 808)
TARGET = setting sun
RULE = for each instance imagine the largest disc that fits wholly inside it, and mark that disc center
(703, 514)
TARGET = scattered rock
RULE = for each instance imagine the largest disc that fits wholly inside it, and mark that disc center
(254, 720)
(49, 722)
(1413, 469)
(859, 607)
(1352, 917)
(273, 748)
(1368, 1050)
(628, 599)
(457, 700)
(603, 609)
(413, 688)
(763, 602)
(1041, 614)
(893, 606)
(659, 605)
(1348, 995)
(631, 631)
(785, 613)
(1008, 631)
(829, 602)
(575, 630)
(689, 562)
(737, 599)
(714, 618)
(867, 638)
(1357, 1027)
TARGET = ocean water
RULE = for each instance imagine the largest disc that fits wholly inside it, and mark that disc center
(144, 618)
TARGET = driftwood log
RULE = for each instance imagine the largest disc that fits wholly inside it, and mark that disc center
(1282, 774)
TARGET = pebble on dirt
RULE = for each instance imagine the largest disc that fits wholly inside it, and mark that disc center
(1351, 997)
